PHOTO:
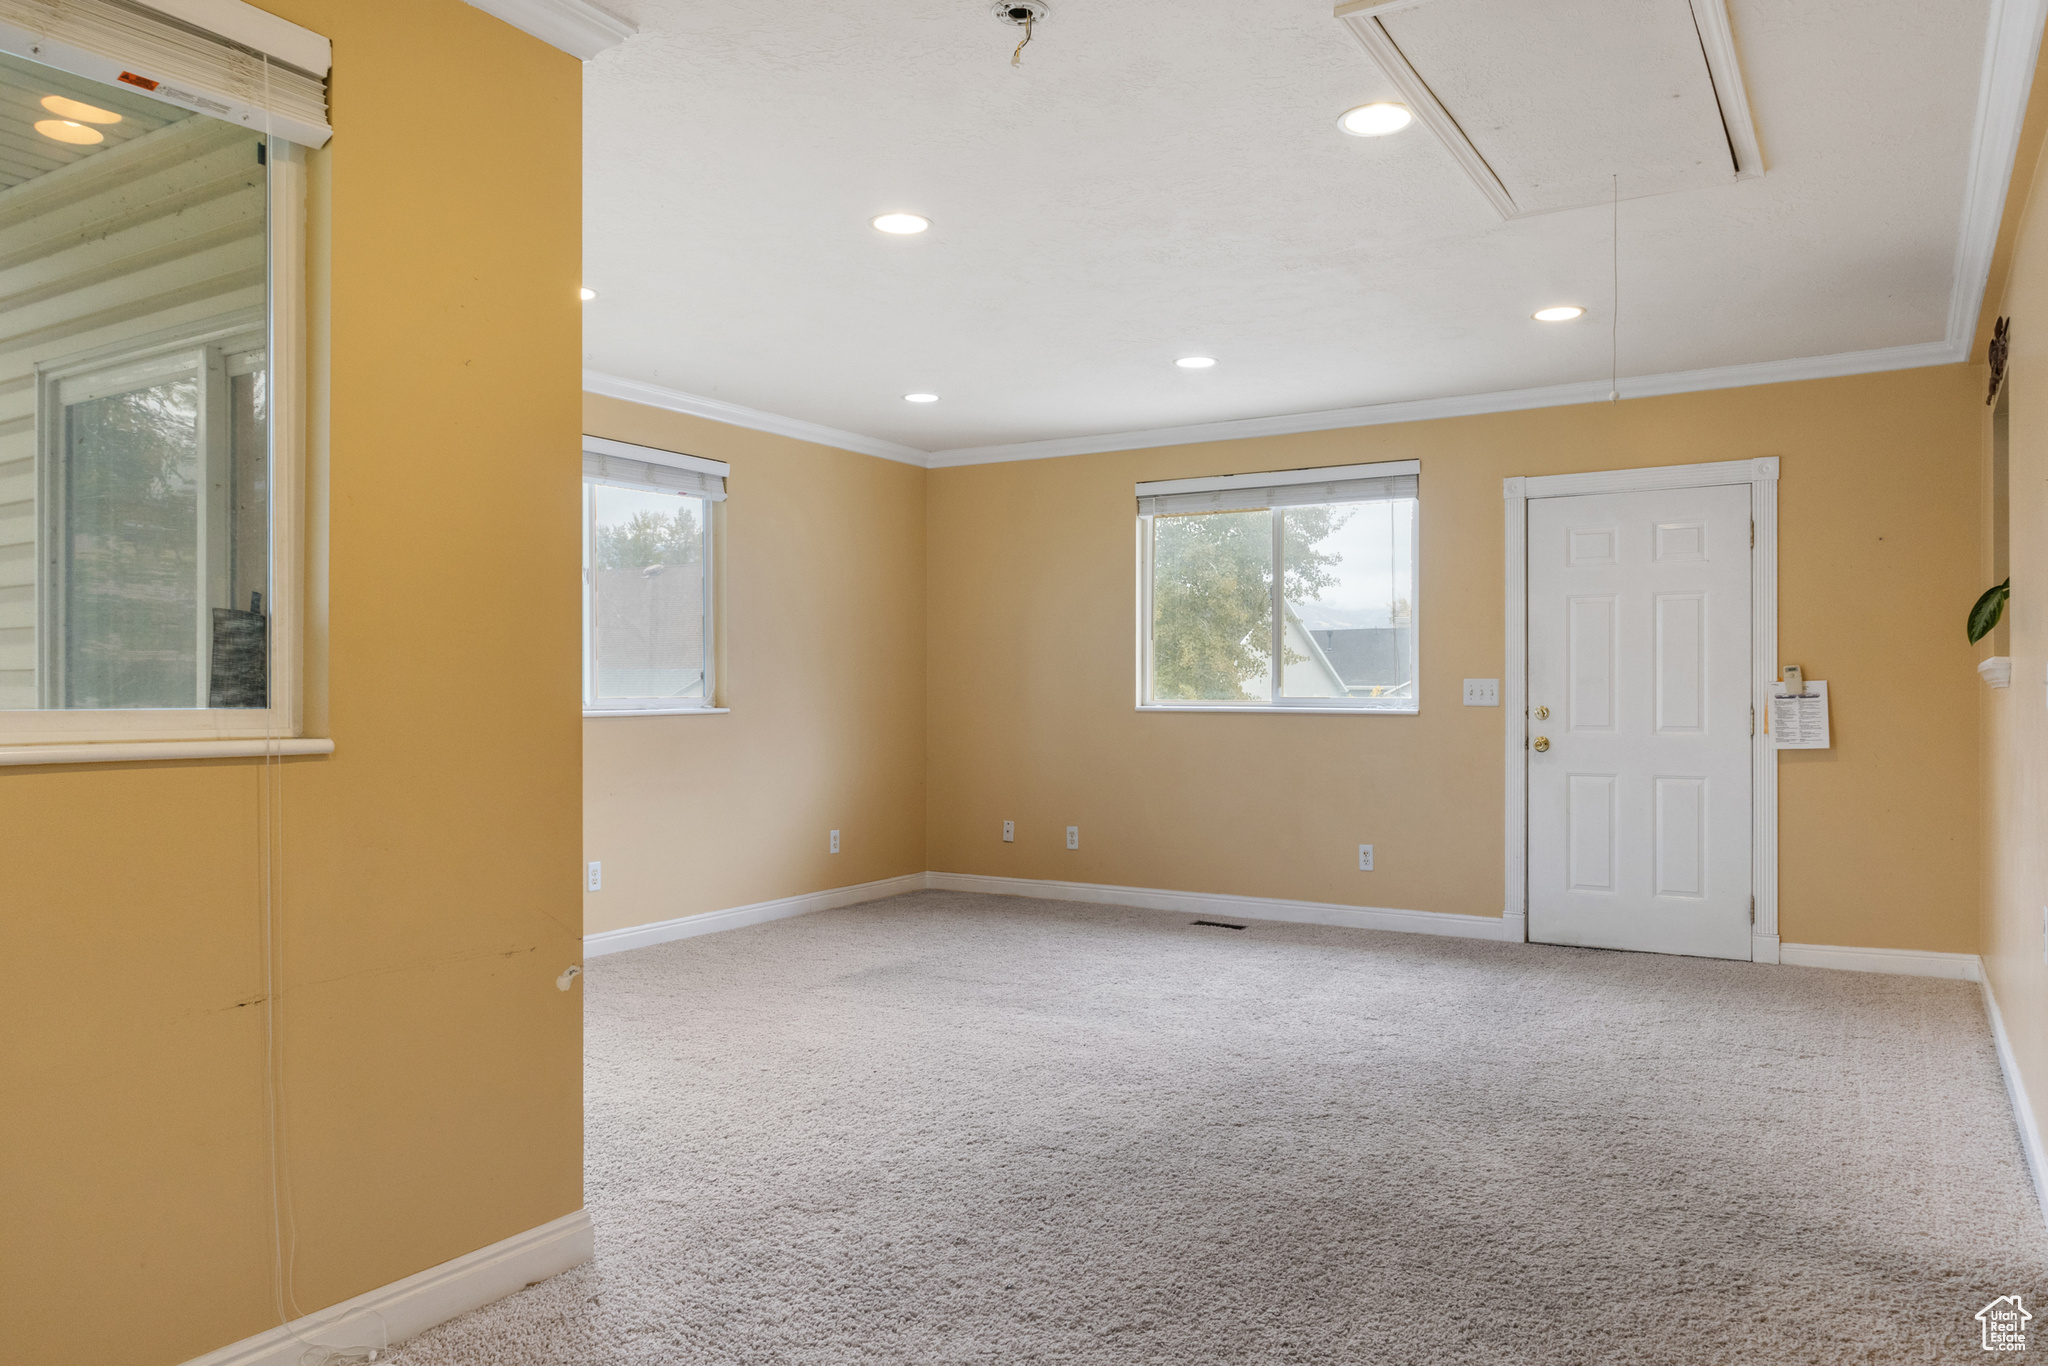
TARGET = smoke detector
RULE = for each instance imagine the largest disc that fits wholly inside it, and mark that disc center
(1021, 13)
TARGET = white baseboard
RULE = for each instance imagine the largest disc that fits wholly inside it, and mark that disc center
(403, 1309)
(1963, 967)
(2022, 1110)
(732, 918)
(1240, 907)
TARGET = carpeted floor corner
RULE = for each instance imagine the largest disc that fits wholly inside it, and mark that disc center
(948, 1128)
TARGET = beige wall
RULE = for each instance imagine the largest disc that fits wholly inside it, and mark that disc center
(2015, 721)
(1031, 627)
(821, 577)
(431, 863)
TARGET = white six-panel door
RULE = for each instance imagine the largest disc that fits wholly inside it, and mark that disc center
(1639, 773)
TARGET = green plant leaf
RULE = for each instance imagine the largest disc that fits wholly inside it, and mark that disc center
(1988, 610)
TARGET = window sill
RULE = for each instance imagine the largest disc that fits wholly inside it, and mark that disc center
(146, 751)
(1286, 711)
(588, 714)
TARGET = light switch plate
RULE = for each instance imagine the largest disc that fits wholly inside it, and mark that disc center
(1482, 692)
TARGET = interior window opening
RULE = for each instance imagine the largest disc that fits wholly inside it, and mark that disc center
(136, 483)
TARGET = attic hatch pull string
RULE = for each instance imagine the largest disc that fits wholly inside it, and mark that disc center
(1614, 313)
(1017, 57)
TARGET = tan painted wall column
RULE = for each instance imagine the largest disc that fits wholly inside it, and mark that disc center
(430, 864)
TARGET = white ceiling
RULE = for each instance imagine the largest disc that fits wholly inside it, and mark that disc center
(1163, 178)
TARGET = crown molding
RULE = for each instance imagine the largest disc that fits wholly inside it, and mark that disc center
(1290, 424)
(733, 414)
(577, 27)
(1468, 405)
(2012, 47)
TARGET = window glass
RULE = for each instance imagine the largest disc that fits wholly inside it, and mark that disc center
(135, 517)
(647, 607)
(130, 548)
(1212, 606)
(1343, 601)
(1350, 600)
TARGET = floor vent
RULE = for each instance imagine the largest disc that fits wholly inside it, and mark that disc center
(1218, 925)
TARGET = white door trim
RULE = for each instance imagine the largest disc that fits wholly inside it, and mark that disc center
(1762, 477)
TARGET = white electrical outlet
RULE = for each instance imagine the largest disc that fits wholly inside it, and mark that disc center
(1009, 832)
(1073, 837)
(835, 841)
(1482, 692)
(596, 882)
(1365, 858)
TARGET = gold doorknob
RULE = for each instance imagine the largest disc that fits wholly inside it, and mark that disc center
(1542, 743)
(1543, 713)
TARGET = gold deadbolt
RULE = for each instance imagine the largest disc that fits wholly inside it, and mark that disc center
(1541, 744)
(1543, 713)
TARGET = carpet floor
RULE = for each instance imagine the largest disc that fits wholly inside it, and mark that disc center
(947, 1128)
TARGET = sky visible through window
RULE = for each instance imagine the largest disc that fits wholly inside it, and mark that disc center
(1373, 570)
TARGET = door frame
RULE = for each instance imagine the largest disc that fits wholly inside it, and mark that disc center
(1761, 476)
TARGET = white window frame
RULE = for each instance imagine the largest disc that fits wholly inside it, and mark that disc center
(1277, 705)
(712, 473)
(30, 736)
(210, 353)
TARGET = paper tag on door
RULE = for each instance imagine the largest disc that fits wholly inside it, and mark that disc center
(1800, 720)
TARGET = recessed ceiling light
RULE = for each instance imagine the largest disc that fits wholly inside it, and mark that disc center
(1563, 313)
(920, 398)
(66, 130)
(586, 293)
(1375, 120)
(1195, 362)
(901, 224)
(84, 113)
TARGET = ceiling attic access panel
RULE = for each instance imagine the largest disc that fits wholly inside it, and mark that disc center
(1546, 105)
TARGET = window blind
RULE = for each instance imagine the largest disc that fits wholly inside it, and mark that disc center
(1287, 488)
(180, 62)
(644, 474)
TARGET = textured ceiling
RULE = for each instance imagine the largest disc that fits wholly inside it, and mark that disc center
(1163, 178)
